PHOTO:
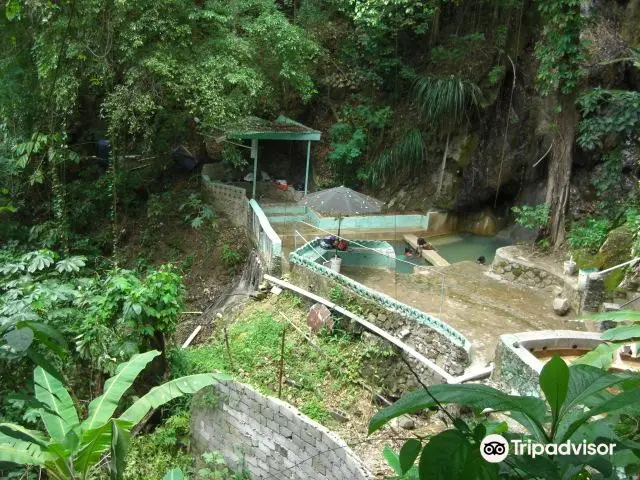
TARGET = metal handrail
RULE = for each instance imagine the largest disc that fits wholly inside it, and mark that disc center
(426, 267)
(608, 270)
(372, 249)
(312, 247)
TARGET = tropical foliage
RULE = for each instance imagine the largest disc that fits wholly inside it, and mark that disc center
(74, 448)
(625, 334)
(560, 50)
(446, 103)
(57, 302)
(103, 228)
(589, 234)
(583, 403)
(535, 217)
(607, 112)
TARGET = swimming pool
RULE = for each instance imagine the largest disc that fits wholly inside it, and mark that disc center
(380, 254)
(453, 248)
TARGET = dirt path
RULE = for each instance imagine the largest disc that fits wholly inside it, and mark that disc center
(477, 304)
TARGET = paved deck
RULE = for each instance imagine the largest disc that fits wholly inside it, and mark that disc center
(476, 303)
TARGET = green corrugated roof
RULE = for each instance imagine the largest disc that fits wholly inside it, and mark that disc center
(282, 128)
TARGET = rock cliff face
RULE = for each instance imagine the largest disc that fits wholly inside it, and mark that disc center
(490, 163)
(502, 160)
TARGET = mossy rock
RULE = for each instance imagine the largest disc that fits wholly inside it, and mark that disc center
(630, 28)
(467, 148)
(616, 249)
(585, 259)
(612, 280)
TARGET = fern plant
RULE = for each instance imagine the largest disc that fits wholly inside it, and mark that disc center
(406, 155)
(446, 102)
(73, 448)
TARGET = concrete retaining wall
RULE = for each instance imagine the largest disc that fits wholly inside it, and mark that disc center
(434, 339)
(517, 369)
(270, 437)
(265, 238)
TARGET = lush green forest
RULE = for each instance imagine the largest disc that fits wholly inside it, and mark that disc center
(527, 109)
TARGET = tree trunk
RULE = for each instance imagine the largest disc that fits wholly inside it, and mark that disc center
(442, 167)
(559, 173)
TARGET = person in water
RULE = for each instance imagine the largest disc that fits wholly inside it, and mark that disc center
(408, 252)
(424, 245)
(481, 260)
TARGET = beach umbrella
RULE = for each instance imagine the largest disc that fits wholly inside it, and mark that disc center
(341, 202)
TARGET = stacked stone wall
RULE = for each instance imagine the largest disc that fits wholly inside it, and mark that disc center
(268, 437)
(514, 268)
(390, 371)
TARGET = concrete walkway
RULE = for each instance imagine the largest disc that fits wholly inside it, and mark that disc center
(477, 304)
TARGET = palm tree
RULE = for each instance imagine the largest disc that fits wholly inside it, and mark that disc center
(445, 102)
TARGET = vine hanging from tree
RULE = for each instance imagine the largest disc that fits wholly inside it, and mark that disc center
(560, 54)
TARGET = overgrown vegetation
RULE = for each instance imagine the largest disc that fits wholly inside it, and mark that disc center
(316, 378)
(73, 448)
(576, 397)
(534, 217)
(103, 229)
(589, 234)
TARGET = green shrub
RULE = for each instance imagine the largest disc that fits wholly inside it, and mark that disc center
(152, 454)
(633, 224)
(314, 409)
(216, 467)
(336, 294)
(195, 211)
(589, 234)
(231, 256)
(535, 217)
(233, 157)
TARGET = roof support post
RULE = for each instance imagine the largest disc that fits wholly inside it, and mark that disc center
(306, 175)
(254, 155)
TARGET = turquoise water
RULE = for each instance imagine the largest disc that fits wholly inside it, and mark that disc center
(453, 248)
(457, 248)
(403, 267)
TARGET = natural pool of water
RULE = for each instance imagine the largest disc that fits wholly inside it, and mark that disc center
(453, 248)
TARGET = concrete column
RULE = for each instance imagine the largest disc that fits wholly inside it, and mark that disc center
(254, 155)
(306, 175)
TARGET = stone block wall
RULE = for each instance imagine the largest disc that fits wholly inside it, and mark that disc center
(269, 437)
(512, 373)
(517, 369)
(514, 268)
(230, 200)
(519, 270)
(390, 371)
(593, 294)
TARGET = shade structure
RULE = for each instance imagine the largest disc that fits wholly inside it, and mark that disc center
(282, 128)
(341, 202)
